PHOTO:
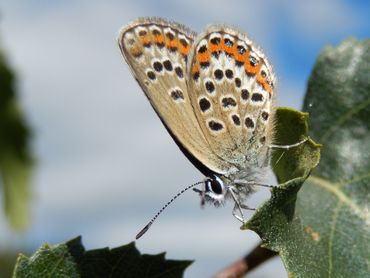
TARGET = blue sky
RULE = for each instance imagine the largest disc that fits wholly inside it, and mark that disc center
(103, 176)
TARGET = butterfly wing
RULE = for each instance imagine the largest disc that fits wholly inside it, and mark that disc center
(157, 53)
(232, 93)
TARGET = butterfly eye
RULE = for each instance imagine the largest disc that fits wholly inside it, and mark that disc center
(215, 186)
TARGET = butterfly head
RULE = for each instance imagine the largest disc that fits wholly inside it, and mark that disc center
(215, 190)
(219, 188)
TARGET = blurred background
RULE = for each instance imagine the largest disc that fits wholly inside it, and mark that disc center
(99, 173)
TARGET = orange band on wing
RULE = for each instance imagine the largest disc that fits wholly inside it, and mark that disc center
(184, 50)
(195, 68)
(263, 82)
(203, 57)
(242, 58)
(214, 47)
(252, 69)
(229, 50)
(222, 46)
(146, 40)
(159, 39)
(136, 51)
(172, 44)
(233, 51)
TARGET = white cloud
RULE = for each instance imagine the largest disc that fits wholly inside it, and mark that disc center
(317, 19)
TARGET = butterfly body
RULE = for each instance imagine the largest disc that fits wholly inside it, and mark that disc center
(214, 94)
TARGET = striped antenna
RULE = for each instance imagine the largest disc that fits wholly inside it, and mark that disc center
(146, 228)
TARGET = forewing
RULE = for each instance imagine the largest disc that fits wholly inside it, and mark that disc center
(232, 93)
(157, 53)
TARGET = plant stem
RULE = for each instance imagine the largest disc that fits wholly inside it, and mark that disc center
(246, 264)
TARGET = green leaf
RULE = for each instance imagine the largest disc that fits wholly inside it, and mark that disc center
(327, 232)
(54, 261)
(339, 190)
(71, 260)
(297, 162)
(275, 220)
(15, 159)
(16, 176)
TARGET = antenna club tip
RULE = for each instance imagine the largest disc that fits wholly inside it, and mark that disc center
(146, 228)
(143, 231)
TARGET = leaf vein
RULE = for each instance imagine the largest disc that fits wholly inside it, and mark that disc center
(333, 188)
(353, 180)
(331, 236)
(342, 119)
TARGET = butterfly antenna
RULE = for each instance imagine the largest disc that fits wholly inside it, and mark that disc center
(146, 228)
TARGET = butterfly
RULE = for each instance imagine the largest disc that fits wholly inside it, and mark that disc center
(214, 93)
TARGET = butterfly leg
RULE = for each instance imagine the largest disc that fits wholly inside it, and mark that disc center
(202, 196)
(287, 147)
(240, 218)
(237, 206)
(266, 160)
(243, 206)
(245, 183)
